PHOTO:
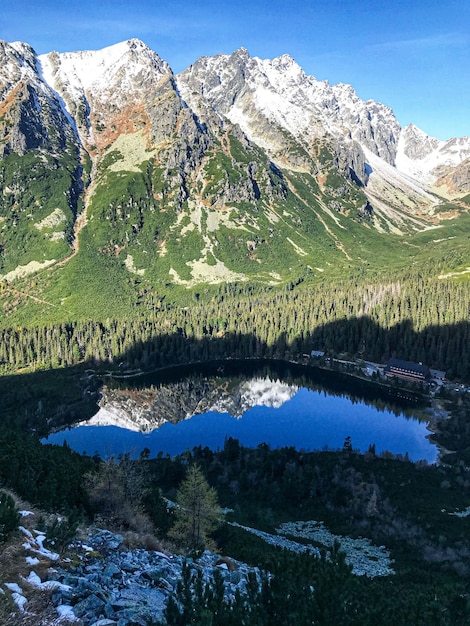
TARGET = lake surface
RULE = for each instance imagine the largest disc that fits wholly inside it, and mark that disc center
(255, 403)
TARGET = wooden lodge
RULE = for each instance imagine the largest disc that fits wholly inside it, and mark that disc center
(406, 370)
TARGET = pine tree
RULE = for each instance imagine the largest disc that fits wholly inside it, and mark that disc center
(197, 513)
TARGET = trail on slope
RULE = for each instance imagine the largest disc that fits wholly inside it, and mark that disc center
(81, 220)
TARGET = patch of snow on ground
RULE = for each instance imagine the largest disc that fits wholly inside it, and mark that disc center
(66, 613)
(34, 580)
(25, 531)
(17, 595)
(36, 544)
(40, 539)
(464, 513)
(365, 558)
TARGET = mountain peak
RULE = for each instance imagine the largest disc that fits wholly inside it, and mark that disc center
(136, 44)
(241, 55)
(22, 47)
(19, 52)
(243, 52)
(413, 130)
(133, 47)
(83, 69)
(285, 60)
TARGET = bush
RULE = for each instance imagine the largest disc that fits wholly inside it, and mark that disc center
(9, 516)
(61, 532)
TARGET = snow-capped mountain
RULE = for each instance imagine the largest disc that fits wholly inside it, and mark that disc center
(265, 98)
(263, 95)
(427, 159)
(269, 98)
(30, 114)
(238, 155)
(106, 86)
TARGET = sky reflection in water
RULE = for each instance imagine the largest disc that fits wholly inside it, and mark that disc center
(310, 420)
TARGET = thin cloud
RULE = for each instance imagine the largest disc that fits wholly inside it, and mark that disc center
(444, 40)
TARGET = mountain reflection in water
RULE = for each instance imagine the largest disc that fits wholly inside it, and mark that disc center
(254, 403)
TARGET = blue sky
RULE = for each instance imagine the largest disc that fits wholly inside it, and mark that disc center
(412, 55)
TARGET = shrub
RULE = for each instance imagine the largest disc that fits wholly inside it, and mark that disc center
(9, 516)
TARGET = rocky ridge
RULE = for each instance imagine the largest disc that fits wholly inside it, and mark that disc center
(267, 98)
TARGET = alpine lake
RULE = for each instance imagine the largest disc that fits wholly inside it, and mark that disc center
(257, 402)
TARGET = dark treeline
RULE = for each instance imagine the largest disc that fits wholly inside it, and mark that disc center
(282, 326)
(48, 476)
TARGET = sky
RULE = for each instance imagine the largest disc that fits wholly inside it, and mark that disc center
(412, 55)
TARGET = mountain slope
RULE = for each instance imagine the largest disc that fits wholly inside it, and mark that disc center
(116, 174)
(40, 166)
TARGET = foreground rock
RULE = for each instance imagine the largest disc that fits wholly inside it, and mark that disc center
(113, 585)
